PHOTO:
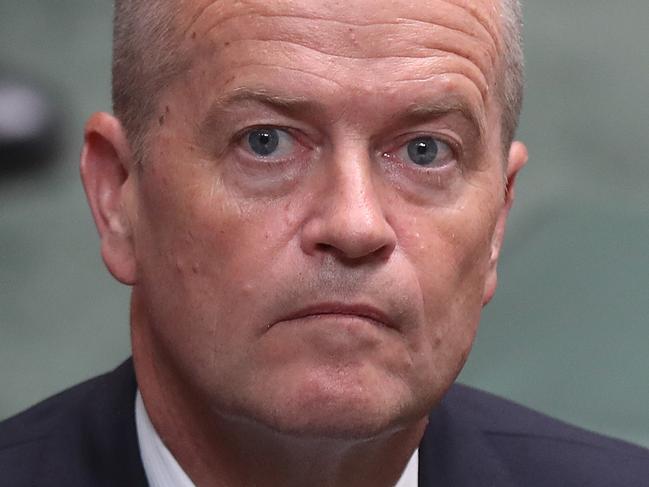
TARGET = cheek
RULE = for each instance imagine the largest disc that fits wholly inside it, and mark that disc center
(449, 249)
(449, 253)
(205, 249)
(191, 221)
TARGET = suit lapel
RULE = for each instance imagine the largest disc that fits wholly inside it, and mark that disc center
(455, 453)
(95, 443)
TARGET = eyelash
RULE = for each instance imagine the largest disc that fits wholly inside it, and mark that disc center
(240, 139)
(454, 146)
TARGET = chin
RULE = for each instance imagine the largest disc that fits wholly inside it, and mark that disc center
(332, 423)
(341, 409)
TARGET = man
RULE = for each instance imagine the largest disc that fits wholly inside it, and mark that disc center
(308, 200)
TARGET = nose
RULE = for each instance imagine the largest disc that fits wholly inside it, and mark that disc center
(347, 218)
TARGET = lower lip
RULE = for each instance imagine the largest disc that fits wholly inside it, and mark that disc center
(333, 334)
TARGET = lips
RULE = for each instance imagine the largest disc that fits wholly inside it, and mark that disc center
(364, 311)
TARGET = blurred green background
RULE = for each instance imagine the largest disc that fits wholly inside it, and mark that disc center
(567, 333)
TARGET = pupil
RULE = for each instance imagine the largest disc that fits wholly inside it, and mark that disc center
(263, 141)
(423, 150)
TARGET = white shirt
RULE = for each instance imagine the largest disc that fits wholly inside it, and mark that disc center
(162, 469)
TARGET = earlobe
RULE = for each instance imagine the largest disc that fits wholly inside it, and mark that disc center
(106, 172)
(516, 160)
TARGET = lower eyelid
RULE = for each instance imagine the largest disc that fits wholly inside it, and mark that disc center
(445, 155)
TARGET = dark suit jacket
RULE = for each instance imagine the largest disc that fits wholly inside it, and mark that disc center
(86, 437)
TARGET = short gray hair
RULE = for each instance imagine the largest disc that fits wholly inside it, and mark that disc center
(146, 59)
(513, 68)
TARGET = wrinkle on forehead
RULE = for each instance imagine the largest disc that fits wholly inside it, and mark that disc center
(390, 42)
(468, 15)
(442, 77)
(464, 28)
(488, 20)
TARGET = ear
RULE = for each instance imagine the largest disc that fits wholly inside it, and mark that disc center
(515, 162)
(107, 172)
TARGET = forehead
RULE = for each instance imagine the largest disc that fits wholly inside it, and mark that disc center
(398, 50)
(475, 17)
(348, 31)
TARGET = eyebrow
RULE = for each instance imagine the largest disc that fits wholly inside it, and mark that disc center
(282, 103)
(454, 104)
(292, 106)
(297, 106)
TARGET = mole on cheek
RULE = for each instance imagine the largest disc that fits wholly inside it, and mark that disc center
(163, 117)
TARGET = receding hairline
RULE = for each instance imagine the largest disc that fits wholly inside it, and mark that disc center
(147, 57)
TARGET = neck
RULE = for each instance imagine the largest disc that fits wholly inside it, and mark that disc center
(216, 449)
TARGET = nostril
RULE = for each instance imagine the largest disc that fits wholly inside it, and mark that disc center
(350, 244)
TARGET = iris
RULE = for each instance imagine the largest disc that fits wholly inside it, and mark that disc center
(423, 150)
(263, 141)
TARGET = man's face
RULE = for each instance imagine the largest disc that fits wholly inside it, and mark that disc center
(316, 225)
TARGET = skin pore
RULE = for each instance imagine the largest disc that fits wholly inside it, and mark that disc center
(304, 292)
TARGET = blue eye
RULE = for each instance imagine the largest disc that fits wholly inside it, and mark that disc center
(263, 141)
(423, 150)
(426, 151)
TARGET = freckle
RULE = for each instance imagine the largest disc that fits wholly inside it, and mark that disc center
(226, 43)
(193, 35)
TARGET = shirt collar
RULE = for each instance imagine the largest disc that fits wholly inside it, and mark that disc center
(162, 469)
(160, 466)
